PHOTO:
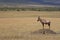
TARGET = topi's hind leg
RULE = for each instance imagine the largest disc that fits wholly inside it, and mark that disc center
(49, 26)
(43, 25)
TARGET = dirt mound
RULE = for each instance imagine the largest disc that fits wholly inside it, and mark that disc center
(45, 31)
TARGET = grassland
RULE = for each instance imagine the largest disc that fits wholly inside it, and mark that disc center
(18, 25)
(19, 14)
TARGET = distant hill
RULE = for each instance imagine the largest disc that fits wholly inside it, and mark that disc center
(29, 3)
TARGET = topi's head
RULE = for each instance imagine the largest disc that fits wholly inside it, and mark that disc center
(38, 18)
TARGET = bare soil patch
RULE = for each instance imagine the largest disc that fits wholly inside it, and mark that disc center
(45, 31)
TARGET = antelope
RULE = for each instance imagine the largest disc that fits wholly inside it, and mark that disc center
(43, 21)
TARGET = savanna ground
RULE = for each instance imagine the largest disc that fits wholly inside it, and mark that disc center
(19, 25)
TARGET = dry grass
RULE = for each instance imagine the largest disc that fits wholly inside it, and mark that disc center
(18, 25)
(18, 14)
